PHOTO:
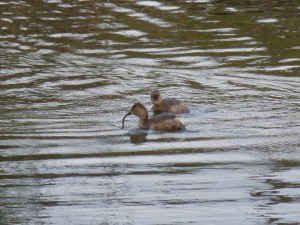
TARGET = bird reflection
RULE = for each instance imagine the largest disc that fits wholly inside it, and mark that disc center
(138, 138)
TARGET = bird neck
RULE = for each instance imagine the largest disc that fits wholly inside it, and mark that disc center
(159, 101)
(143, 118)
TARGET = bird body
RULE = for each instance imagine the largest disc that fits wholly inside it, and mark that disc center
(159, 122)
(167, 104)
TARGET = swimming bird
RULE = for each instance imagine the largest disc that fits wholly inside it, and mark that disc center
(167, 104)
(159, 122)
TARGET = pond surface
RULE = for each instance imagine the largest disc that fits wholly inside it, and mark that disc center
(70, 70)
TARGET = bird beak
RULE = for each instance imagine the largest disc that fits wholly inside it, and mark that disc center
(123, 120)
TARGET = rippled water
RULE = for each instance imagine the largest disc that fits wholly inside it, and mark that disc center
(71, 69)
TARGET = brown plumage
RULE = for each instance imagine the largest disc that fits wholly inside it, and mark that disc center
(167, 104)
(160, 122)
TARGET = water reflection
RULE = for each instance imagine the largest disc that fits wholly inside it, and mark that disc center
(138, 138)
(278, 195)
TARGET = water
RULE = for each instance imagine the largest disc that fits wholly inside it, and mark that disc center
(70, 70)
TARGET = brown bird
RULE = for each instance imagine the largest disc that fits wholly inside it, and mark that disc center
(167, 104)
(160, 122)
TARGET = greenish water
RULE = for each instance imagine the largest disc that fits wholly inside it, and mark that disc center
(70, 70)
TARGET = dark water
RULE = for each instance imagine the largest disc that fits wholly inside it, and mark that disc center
(71, 69)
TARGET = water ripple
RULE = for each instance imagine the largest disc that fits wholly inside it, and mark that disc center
(71, 70)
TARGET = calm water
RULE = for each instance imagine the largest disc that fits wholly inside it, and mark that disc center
(71, 69)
